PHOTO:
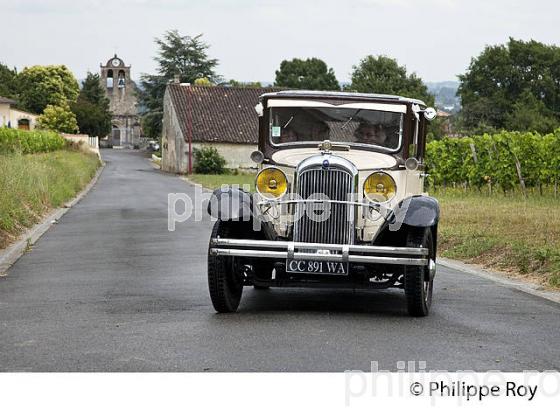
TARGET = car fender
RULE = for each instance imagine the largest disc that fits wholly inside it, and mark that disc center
(418, 211)
(231, 204)
(414, 211)
(234, 204)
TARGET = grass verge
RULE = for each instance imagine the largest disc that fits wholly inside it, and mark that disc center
(216, 181)
(33, 184)
(512, 234)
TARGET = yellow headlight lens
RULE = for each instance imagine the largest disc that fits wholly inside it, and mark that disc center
(379, 187)
(271, 183)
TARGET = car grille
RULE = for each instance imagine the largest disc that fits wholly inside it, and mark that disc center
(336, 184)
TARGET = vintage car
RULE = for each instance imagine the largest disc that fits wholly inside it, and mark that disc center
(339, 201)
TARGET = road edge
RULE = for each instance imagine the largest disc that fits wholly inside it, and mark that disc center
(10, 255)
(499, 278)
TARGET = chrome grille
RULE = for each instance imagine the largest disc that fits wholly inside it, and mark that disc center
(337, 185)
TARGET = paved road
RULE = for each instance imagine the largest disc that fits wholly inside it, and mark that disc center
(110, 289)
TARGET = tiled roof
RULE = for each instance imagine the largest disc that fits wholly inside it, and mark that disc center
(219, 114)
(4, 100)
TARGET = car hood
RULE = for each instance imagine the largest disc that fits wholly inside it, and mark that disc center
(360, 158)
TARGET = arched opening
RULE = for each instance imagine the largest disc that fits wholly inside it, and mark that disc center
(116, 136)
(121, 79)
(110, 79)
(23, 124)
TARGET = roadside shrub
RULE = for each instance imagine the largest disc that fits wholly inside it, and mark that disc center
(208, 161)
(29, 142)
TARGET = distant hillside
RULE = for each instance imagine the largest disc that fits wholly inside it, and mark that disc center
(445, 93)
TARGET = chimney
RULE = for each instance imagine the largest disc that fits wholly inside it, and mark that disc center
(176, 79)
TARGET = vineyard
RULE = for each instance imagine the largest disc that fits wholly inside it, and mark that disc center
(505, 161)
(470, 177)
(29, 142)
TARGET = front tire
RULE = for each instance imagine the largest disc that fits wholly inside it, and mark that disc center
(225, 282)
(418, 286)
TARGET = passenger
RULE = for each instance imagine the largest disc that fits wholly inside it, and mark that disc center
(367, 133)
(288, 135)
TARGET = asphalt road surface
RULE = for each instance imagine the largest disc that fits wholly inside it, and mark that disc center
(108, 288)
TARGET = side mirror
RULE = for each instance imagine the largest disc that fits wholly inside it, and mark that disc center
(259, 109)
(257, 157)
(430, 113)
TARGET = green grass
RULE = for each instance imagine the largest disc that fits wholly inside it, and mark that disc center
(512, 234)
(33, 184)
(216, 181)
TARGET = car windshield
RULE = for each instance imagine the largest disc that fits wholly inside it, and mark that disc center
(355, 126)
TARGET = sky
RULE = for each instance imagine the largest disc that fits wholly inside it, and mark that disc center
(436, 39)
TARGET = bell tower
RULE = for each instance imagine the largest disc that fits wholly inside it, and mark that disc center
(121, 91)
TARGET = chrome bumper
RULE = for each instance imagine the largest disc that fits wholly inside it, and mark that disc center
(345, 253)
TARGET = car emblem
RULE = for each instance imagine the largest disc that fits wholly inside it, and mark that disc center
(326, 164)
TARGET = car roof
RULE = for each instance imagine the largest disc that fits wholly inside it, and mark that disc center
(342, 95)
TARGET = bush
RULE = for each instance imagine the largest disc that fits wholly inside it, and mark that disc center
(59, 119)
(208, 161)
(29, 142)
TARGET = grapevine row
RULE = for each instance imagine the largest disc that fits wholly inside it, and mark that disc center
(508, 160)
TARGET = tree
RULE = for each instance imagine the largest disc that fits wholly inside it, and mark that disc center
(383, 75)
(235, 83)
(58, 118)
(530, 114)
(310, 74)
(203, 81)
(179, 57)
(93, 92)
(504, 75)
(8, 85)
(92, 108)
(40, 86)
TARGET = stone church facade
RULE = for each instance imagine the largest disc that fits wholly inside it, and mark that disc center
(121, 91)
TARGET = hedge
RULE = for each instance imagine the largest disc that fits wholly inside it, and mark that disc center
(29, 142)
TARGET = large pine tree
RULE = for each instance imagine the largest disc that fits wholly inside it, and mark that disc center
(182, 56)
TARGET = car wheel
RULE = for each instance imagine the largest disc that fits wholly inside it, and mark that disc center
(418, 286)
(225, 281)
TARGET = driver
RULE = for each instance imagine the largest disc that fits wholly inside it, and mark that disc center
(288, 135)
(367, 133)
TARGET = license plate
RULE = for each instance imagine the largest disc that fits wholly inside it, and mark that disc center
(321, 267)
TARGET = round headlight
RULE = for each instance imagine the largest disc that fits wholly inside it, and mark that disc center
(271, 183)
(380, 187)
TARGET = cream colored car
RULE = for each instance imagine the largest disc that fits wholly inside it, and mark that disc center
(340, 201)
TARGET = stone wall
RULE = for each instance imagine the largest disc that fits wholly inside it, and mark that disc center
(173, 158)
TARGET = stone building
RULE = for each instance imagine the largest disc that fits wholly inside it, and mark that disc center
(121, 90)
(222, 117)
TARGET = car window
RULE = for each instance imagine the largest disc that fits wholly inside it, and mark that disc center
(358, 126)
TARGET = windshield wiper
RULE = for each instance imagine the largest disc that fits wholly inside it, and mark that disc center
(350, 119)
(288, 123)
